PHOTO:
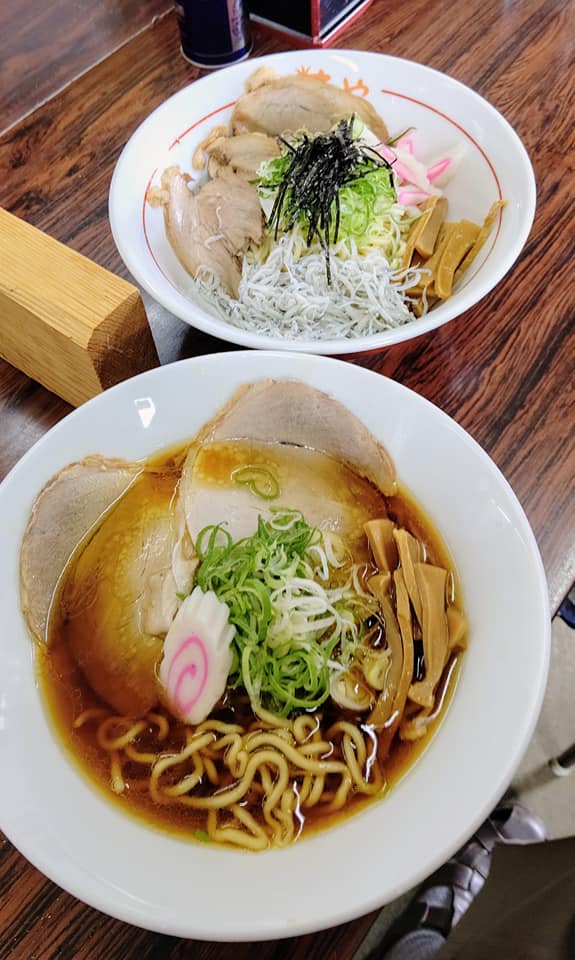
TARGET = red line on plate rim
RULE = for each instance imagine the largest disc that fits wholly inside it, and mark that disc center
(199, 122)
(392, 93)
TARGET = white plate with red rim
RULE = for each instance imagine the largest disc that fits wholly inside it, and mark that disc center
(444, 113)
(141, 875)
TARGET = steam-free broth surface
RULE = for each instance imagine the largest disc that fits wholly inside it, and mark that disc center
(90, 592)
(66, 695)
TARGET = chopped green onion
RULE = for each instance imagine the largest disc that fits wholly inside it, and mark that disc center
(260, 481)
(393, 140)
(295, 604)
(202, 835)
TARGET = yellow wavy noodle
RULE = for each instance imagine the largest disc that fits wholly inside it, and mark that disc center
(254, 784)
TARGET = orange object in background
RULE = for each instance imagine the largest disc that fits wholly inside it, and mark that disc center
(313, 23)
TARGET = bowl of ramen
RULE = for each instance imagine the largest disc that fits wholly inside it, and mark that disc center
(265, 615)
(328, 202)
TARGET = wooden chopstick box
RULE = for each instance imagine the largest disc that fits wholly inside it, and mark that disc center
(65, 321)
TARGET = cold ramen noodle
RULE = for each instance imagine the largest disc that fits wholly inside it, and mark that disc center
(307, 218)
(249, 636)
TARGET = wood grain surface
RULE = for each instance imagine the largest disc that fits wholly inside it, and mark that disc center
(505, 370)
(44, 46)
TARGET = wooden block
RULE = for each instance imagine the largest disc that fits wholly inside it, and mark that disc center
(64, 320)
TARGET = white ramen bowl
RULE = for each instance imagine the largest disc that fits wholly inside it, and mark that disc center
(142, 875)
(444, 112)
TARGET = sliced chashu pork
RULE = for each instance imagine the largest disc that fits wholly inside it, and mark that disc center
(126, 610)
(321, 488)
(119, 590)
(65, 510)
(209, 228)
(289, 411)
(275, 413)
(289, 104)
(243, 154)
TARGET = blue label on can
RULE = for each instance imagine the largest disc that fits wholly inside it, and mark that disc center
(213, 32)
(239, 28)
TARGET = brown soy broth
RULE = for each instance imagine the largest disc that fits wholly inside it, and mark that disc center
(66, 693)
(407, 513)
(401, 758)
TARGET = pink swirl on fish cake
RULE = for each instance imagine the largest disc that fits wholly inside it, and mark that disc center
(189, 669)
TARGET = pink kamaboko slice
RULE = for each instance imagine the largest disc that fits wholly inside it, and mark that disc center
(197, 656)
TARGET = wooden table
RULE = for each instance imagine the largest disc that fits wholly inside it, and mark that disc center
(76, 78)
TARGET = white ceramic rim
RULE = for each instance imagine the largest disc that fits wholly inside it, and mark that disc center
(150, 277)
(57, 859)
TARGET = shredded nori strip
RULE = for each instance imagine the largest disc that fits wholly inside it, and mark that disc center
(319, 167)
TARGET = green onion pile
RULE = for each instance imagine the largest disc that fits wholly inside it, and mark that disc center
(297, 606)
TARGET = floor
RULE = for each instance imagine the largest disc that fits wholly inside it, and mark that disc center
(553, 798)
